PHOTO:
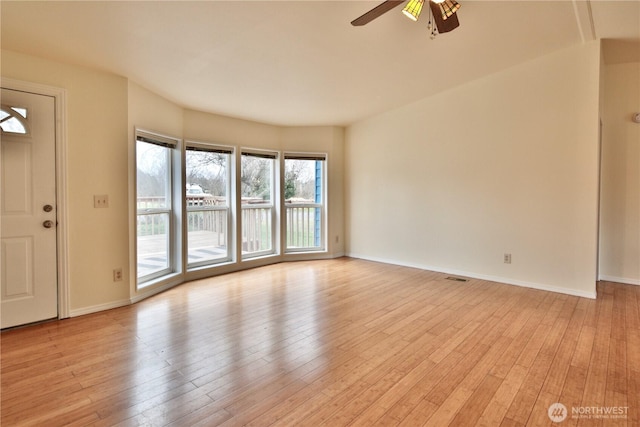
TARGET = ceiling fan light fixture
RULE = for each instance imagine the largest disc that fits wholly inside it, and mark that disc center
(413, 9)
(448, 7)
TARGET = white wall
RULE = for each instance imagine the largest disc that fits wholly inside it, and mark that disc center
(504, 164)
(200, 126)
(620, 193)
(149, 111)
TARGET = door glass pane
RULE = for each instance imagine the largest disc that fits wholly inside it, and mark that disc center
(21, 111)
(207, 206)
(13, 119)
(13, 125)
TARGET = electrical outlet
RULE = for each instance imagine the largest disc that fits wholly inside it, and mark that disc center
(507, 258)
(337, 239)
(117, 274)
(101, 201)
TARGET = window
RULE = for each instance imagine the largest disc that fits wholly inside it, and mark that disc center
(199, 206)
(257, 192)
(208, 193)
(155, 206)
(304, 202)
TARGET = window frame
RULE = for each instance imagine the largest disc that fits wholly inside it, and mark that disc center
(273, 205)
(173, 210)
(179, 268)
(231, 195)
(323, 157)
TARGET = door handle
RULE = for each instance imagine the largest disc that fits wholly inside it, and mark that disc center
(47, 224)
(47, 208)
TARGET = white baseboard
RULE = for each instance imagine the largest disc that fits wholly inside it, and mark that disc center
(151, 291)
(96, 308)
(625, 280)
(505, 280)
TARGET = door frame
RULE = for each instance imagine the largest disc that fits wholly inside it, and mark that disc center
(62, 238)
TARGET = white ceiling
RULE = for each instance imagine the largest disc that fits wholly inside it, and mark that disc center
(301, 62)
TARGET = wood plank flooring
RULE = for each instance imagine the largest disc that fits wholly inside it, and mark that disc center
(332, 343)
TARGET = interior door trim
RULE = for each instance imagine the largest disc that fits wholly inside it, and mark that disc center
(60, 97)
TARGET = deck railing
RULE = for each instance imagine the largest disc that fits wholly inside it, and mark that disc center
(154, 202)
(303, 226)
(208, 227)
(211, 220)
(257, 229)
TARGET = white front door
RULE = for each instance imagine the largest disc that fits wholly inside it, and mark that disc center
(28, 208)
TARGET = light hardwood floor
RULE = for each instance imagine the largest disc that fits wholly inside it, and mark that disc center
(339, 342)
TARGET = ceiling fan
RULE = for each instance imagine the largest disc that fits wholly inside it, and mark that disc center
(443, 12)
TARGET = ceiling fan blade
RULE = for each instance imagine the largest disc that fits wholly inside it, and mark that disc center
(376, 12)
(443, 25)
